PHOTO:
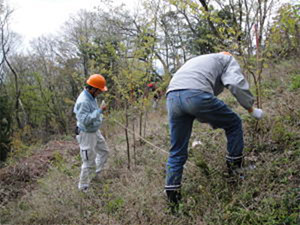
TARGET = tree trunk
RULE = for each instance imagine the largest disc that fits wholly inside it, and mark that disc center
(126, 134)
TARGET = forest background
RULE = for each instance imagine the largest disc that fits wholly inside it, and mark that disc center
(38, 90)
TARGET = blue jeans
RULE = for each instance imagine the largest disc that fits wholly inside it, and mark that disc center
(184, 106)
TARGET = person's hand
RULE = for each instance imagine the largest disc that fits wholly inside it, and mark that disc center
(257, 113)
(103, 106)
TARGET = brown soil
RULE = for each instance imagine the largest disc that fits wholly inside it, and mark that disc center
(20, 178)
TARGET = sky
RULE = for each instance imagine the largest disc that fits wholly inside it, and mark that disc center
(33, 18)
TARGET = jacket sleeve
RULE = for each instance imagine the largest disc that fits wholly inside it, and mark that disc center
(85, 117)
(235, 81)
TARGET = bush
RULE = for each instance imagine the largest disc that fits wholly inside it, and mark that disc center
(295, 82)
(5, 127)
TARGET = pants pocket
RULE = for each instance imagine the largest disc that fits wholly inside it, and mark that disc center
(84, 155)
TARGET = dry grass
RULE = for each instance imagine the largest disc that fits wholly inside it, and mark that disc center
(270, 194)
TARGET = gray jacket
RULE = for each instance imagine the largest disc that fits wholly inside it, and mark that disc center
(211, 73)
(89, 116)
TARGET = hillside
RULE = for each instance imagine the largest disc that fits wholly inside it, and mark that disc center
(41, 186)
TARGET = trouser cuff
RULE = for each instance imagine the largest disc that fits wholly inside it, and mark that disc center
(234, 158)
(173, 187)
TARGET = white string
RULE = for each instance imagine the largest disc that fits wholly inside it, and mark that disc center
(148, 142)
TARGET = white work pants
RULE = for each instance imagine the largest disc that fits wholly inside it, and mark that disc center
(94, 153)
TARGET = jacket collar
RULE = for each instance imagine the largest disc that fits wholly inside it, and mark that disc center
(88, 94)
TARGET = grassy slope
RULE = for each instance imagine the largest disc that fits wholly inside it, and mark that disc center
(270, 194)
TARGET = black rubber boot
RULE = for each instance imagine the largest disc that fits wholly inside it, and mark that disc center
(174, 197)
(234, 165)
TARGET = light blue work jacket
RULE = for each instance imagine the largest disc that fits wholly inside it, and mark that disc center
(88, 114)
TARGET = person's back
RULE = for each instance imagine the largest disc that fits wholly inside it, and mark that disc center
(211, 73)
(201, 72)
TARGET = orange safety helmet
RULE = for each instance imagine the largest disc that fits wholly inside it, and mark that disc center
(150, 85)
(226, 53)
(97, 81)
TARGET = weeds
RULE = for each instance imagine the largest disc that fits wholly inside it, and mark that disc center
(295, 82)
(268, 195)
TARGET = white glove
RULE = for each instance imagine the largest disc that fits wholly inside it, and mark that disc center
(103, 105)
(257, 113)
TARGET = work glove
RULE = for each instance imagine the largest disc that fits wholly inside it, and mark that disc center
(257, 113)
(103, 105)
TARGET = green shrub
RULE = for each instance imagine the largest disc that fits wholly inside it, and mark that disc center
(295, 82)
(113, 205)
(5, 127)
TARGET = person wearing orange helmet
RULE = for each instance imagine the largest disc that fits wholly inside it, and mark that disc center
(156, 96)
(93, 147)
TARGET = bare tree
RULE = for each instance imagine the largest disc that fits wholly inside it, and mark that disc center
(6, 41)
(80, 30)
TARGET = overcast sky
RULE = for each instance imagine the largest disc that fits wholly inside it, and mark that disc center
(33, 18)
